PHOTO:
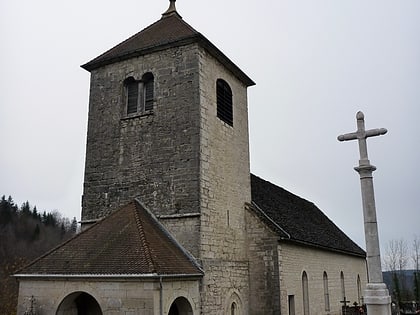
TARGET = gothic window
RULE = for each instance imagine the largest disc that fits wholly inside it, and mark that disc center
(305, 291)
(359, 291)
(233, 309)
(224, 102)
(343, 287)
(326, 293)
(139, 94)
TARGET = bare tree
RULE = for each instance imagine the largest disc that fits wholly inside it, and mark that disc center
(402, 250)
(391, 256)
(396, 261)
(416, 252)
(416, 258)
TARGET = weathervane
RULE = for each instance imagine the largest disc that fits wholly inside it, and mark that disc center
(377, 297)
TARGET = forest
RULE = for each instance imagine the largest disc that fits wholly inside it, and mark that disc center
(25, 234)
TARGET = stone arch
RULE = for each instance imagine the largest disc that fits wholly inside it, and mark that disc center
(79, 303)
(233, 304)
(181, 306)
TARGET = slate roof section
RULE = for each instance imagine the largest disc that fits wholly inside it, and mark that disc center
(170, 31)
(297, 219)
(130, 241)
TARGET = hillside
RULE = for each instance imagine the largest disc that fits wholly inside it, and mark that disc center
(25, 234)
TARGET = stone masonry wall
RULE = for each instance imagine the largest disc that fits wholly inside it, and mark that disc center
(114, 297)
(152, 156)
(225, 188)
(296, 259)
(264, 297)
(185, 229)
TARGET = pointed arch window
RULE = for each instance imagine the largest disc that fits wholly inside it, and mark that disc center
(359, 291)
(224, 102)
(343, 287)
(139, 94)
(326, 293)
(305, 291)
(233, 309)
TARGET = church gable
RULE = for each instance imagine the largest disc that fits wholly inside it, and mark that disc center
(130, 241)
(297, 219)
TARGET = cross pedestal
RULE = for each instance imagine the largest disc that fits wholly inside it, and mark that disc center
(377, 299)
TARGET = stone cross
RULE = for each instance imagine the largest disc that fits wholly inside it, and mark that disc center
(377, 297)
(344, 302)
(361, 135)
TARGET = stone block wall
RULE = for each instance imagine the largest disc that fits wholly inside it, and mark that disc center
(185, 229)
(154, 156)
(264, 285)
(114, 297)
(224, 189)
(296, 259)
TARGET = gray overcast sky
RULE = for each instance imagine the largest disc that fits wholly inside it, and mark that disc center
(316, 63)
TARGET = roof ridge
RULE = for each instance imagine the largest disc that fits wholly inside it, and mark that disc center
(290, 211)
(255, 206)
(123, 42)
(143, 239)
(55, 248)
(163, 229)
(143, 31)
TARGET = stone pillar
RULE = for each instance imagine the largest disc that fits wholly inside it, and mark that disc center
(377, 299)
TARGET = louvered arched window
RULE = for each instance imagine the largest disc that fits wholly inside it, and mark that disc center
(139, 94)
(224, 102)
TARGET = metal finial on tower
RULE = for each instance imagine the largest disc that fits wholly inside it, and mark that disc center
(171, 9)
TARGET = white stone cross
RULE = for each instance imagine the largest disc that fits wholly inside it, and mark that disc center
(377, 298)
(362, 134)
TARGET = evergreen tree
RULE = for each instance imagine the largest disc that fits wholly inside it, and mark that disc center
(35, 213)
(73, 226)
(26, 209)
(5, 211)
(36, 232)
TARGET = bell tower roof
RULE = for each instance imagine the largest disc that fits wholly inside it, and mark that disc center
(169, 31)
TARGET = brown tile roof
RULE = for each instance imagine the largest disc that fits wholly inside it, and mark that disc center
(297, 219)
(130, 241)
(170, 31)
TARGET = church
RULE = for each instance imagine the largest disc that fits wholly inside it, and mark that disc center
(173, 222)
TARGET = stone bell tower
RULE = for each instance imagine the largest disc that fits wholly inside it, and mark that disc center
(168, 124)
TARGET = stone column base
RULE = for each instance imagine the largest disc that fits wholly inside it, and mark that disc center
(377, 299)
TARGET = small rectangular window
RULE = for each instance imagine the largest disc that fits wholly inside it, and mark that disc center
(291, 300)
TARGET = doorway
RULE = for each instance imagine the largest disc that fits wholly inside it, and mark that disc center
(180, 306)
(79, 303)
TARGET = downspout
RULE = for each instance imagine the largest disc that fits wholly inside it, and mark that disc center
(161, 295)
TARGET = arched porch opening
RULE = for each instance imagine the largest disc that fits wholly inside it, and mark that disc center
(79, 303)
(180, 306)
